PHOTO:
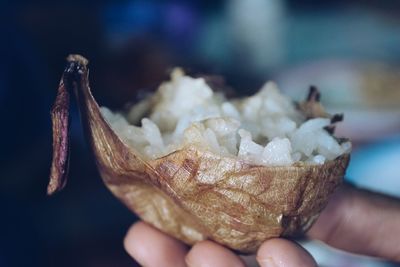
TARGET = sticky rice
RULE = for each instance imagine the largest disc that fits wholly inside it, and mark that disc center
(263, 129)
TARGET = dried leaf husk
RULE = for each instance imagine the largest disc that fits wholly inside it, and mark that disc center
(193, 194)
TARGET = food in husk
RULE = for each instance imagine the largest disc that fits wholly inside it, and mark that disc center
(201, 166)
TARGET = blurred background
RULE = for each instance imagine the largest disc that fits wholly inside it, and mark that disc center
(350, 49)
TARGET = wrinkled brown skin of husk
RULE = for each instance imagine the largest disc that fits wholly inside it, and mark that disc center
(193, 194)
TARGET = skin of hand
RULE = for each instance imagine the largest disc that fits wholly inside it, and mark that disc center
(355, 220)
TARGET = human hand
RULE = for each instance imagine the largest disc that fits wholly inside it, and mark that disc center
(354, 220)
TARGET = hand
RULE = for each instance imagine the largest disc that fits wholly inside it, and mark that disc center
(354, 220)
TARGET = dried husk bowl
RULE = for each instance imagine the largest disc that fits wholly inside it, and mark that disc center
(193, 194)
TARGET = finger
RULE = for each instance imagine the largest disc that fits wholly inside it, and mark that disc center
(150, 247)
(208, 253)
(279, 252)
(361, 222)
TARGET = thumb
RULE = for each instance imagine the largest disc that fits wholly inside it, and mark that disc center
(279, 252)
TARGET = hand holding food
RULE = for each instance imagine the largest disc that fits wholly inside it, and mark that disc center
(355, 220)
(200, 166)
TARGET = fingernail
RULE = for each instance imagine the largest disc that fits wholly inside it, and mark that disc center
(267, 262)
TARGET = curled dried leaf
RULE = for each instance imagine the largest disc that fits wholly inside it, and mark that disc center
(312, 107)
(194, 194)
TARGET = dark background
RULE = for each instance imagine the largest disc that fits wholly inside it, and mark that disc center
(131, 46)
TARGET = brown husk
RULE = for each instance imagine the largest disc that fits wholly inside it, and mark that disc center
(193, 194)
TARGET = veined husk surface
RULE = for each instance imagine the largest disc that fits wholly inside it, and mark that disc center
(193, 194)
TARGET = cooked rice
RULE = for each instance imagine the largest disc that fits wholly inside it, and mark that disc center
(264, 129)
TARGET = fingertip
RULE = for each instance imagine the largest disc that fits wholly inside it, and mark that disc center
(207, 253)
(150, 247)
(279, 252)
(131, 239)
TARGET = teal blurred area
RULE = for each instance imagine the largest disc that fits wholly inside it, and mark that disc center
(375, 166)
(349, 49)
